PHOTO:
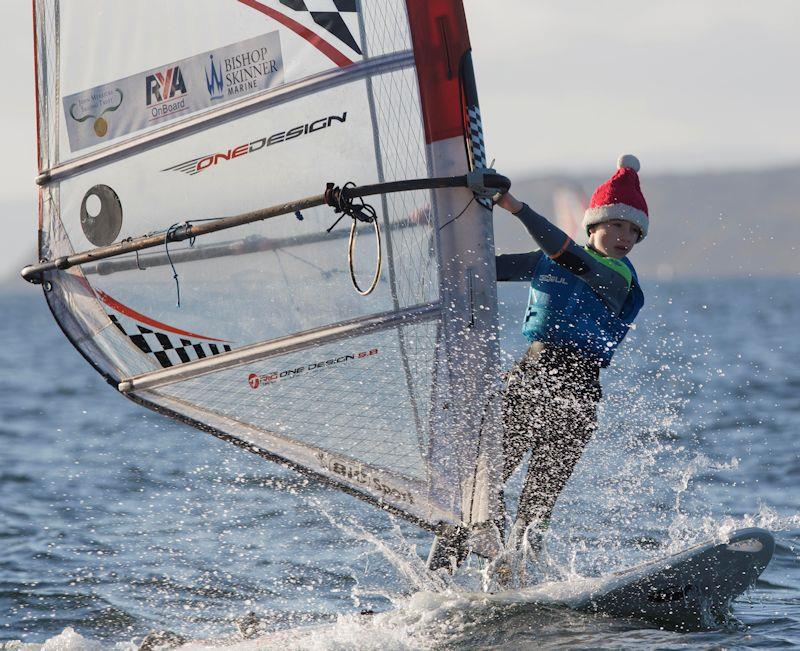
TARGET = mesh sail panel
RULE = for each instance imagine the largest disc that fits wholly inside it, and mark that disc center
(361, 404)
(256, 332)
(345, 400)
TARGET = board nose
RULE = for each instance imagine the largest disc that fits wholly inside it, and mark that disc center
(754, 540)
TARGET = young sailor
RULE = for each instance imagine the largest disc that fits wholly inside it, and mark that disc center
(581, 304)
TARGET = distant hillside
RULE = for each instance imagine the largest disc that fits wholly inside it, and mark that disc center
(718, 224)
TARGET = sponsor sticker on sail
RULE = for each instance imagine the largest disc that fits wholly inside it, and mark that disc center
(173, 91)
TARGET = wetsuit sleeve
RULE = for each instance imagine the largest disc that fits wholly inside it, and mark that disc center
(516, 266)
(610, 286)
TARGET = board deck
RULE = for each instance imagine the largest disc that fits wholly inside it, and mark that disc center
(690, 590)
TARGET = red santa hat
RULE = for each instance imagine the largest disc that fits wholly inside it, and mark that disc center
(619, 198)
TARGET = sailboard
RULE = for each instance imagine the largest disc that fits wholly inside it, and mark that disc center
(690, 590)
(194, 160)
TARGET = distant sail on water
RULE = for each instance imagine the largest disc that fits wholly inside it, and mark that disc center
(204, 111)
(569, 204)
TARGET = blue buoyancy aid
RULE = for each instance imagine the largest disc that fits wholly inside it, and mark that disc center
(565, 311)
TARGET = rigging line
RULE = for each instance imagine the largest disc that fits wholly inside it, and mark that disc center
(138, 262)
(325, 273)
(459, 214)
(358, 210)
(295, 308)
(494, 394)
(277, 253)
(167, 234)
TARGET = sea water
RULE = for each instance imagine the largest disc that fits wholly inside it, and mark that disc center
(115, 521)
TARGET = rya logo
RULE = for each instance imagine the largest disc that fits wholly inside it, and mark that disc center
(214, 82)
(163, 86)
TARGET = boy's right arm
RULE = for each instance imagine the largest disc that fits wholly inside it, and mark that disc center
(607, 284)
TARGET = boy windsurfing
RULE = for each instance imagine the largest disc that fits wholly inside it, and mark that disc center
(581, 304)
(582, 301)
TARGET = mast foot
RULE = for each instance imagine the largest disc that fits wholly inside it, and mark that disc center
(449, 548)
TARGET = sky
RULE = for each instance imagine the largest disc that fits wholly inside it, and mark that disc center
(564, 85)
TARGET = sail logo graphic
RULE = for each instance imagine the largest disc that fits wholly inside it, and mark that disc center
(356, 473)
(201, 163)
(256, 380)
(214, 82)
(165, 90)
(162, 86)
(98, 104)
(243, 72)
(172, 90)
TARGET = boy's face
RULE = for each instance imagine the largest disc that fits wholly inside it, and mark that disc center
(615, 238)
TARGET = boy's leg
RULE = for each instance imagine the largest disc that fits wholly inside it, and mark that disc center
(516, 413)
(518, 426)
(449, 549)
(570, 426)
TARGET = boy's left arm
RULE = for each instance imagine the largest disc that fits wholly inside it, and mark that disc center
(516, 266)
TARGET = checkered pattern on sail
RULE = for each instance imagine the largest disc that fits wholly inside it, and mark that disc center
(477, 148)
(169, 350)
(330, 15)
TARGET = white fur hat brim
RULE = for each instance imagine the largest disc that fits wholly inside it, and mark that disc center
(614, 211)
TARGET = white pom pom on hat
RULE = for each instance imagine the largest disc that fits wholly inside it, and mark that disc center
(630, 161)
(620, 198)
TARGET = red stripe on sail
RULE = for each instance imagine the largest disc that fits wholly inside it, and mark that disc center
(133, 314)
(301, 30)
(440, 37)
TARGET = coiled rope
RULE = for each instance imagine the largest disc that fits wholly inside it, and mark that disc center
(359, 211)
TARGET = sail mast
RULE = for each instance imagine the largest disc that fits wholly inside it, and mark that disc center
(453, 130)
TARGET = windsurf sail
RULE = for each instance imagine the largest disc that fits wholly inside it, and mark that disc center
(184, 153)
